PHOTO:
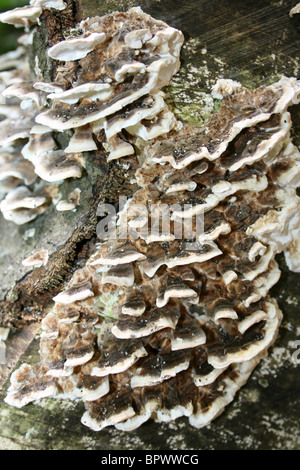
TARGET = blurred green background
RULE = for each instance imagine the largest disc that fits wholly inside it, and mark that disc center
(9, 34)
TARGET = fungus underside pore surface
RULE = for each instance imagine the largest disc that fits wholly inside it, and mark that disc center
(150, 325)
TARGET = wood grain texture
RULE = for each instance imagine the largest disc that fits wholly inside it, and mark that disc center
(242, 34)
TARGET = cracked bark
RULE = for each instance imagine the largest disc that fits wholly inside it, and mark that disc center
(28, 300)
(223, 39)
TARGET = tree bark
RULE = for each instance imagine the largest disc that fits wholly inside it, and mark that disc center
(253, 42)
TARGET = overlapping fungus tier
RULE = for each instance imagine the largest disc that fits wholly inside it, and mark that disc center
(106, 93)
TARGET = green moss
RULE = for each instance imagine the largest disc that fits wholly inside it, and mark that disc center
(107, 305)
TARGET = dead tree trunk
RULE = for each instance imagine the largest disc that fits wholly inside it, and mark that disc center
(253, 42)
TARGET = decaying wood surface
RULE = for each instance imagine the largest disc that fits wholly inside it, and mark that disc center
(254, 42)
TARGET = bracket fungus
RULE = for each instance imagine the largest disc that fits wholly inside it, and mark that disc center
(154, 325)
(40, 258)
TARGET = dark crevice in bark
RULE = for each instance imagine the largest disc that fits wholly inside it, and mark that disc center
(54, 25)
(30, 298)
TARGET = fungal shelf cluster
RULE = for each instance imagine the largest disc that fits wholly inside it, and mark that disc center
(154, 325)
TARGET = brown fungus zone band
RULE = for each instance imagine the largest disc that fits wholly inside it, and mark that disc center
(152, 327)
